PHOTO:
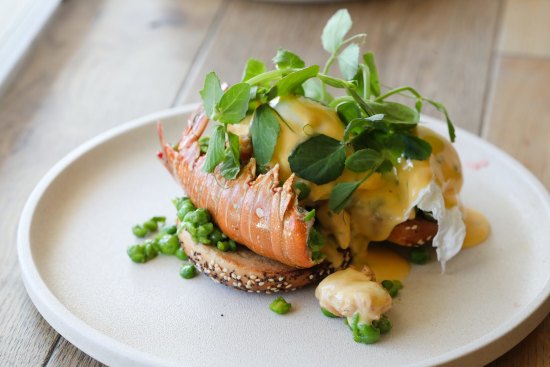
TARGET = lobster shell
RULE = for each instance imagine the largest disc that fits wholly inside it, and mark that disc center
(255, 211)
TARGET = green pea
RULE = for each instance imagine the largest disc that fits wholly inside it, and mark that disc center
(419, 256)
(180, 254)
(169, 244)
(151, 250)
(364, 333)
(205, 229)
(327, 313)
(159, 219)
(185, 209)
(189, 227)
(137, 253)
(232, 245)
(216, 235)
(223, 245)
(392, 287)
(139, 231)
(188, 271)
(178, 202)
(202, 216)
(150, 225)
(384, 324)
(170, 229)
(198, 217)
(280, 306)
(203, 240)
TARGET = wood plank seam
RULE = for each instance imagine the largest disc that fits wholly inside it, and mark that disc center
(517, 55)
(52, 348)
(198, 60)
(490, 83)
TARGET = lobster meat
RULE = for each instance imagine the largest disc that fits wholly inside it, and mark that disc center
(255, 211)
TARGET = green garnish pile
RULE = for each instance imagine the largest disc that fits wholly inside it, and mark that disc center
(164, 242)
(392, 286)
(378, 132)
(200, 226)
(370, 333)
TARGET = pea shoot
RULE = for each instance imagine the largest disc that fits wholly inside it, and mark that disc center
(280, 306)
(379, 132)
(310, 215)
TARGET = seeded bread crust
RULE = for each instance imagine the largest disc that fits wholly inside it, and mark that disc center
(249, 272)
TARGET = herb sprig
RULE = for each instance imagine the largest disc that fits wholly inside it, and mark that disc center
(378, 134)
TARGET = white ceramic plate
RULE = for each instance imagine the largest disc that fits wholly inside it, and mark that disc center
(75, 228)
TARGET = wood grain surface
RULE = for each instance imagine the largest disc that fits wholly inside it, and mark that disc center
(101, 63)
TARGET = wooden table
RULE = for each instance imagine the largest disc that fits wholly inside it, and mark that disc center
(101, 63)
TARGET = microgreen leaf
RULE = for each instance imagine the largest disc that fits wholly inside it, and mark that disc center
(319, 159)
(414, 147)
(348, 111)
(358, 125)
(348, 61)
(290, 82)
(286, 59)
(443, 110)
(211, 93)
(314, 90)
(231, 164)
(368, 59)
(395, 113)
(233, 104)
(253, 68)
(216, 147)
(264, 132)
(364, 160)
(335, 30)
(341, 195)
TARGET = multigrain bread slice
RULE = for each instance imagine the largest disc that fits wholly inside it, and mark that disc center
(247, 271)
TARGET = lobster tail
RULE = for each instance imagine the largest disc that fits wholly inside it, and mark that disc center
(254, 211)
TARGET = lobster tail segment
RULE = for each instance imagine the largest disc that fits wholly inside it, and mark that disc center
(255, 211)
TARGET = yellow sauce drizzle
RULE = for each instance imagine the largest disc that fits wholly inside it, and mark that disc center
(382, 201)
(477, 228)
(384, 262)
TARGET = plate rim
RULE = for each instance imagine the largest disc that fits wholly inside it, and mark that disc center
(113, 352)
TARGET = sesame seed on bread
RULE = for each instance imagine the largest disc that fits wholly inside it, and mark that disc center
(245, 270)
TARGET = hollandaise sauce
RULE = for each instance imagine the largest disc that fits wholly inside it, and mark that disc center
(477, 228)
(384, 262)
(383, 200)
